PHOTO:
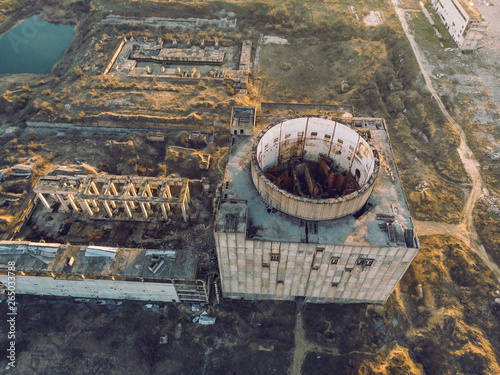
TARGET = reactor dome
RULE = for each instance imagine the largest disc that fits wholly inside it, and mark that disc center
(314, 168)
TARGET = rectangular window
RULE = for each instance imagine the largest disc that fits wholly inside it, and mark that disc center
(280, 282)
(275, 257)
(334, 260)
(340, 141)
(265, 265)
(335, 284)
(368, 262)
(364, 262)
(314, 134)
(318, 256)
(328, 136)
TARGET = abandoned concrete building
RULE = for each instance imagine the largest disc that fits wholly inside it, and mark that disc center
(242, 121)
(169, 60)
(106, 272)
(118, 195)
(171, 273)
(464, 22)
(313, 208)
(310, 208)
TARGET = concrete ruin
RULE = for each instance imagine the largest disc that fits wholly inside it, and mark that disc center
(171, 59)
(327, 175)
(310, 208)
(119, 196)
(193, 55)
(333, 245)
(242, 121)
(464, 22)
(106, 272)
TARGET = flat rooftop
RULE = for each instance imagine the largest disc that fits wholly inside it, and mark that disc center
(97, 261)
(243, 116)
(263, 222)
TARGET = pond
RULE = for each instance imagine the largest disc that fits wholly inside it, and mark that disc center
(33, 46)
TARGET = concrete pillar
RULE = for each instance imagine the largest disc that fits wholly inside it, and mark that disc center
(188, 196)
(134, 194)
(186, 199)
(164, 211)
(64, 205)
(167, 191)
(184, 213)
(149, 194)
(44, 201)
(169, 195)
(80, 202)
(114, 192)
(108, 210)
(94, 203)
(144, 210)
(87, 207)
(127, 209)
(94, 188)
(95, 192)
(73, 203)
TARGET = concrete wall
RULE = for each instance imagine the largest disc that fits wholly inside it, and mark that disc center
(244, 276)
(309, 209)
(92, 288)
(314, 136)
(241, 130)
(115, 55)
(111, 127)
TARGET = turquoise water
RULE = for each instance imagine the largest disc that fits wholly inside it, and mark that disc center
(33, 46)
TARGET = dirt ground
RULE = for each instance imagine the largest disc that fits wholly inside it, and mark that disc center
(441, 319)
(466, 85)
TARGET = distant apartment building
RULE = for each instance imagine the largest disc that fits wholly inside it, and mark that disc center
(464, 22)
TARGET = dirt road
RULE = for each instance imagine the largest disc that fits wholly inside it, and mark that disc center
(302, 346)
(465, 230)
